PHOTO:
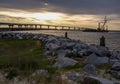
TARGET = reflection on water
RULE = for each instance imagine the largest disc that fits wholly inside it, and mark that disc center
(112, 38)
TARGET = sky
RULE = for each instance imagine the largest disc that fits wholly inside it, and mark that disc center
(82, 13)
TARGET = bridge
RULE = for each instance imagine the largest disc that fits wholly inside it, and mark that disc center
(19, 26)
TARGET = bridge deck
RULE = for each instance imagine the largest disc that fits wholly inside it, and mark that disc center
(20, 26)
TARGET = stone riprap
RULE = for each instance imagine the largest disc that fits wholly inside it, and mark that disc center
(90, 68)
(65, 50)
(97, 80)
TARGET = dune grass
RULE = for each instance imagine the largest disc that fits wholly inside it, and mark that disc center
(23, 55)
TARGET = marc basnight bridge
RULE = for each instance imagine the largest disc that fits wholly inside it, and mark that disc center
(19, 26)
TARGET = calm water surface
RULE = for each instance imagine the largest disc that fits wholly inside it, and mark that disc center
(112, 38)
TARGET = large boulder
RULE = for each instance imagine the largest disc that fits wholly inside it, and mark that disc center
(83, 52)
(100, 50)
(93, 48)
(52, 46)
(97, 80)
(70, 44)
(116, 66)
(103, 51)
(18, 36)
(112, 61)
(74, 76)
(115, 55)
(115, 70)
(81, 45)
(35, 37)
(51, 39)
(63, 53)
(62, 62)
(115, 74)
(67, 45)
(94, 59)
(90, 68)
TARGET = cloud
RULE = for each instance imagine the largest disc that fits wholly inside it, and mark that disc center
(6, 18)
(65, 6)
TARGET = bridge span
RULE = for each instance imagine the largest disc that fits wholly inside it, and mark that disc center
(19, 26)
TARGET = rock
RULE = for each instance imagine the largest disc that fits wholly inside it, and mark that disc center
(2, 78)
(103, 51)
(118, 56)
(0, 35)
(61, 53)
(35, 37)
(67, 44)
(41, 72)
(64, 62)
(115, 74)
(4, 35)
(97, 80)
(79, 46)
(115, 70)
(116, 66)
(52, 46)
(51, 39)
(93, 48)
(18, 36)
(82, 53)
(62, 39)
(112, 61)
(90, 68)
(73, 76)
(99, 50)
(70, 44)
(115, 55)
(94, 59)
(47, 53)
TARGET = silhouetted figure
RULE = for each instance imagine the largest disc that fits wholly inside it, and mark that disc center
(102, 41)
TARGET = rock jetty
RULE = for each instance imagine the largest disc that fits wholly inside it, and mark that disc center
(67, 50)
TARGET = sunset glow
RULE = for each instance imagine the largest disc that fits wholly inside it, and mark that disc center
(46, 16)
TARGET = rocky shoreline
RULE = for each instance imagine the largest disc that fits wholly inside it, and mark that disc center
(66, 52)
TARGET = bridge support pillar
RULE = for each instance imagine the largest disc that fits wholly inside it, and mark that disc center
(40, 26)
(36, 26)
(19, 26)
(11, 26)
(74, 28)
(69, 28)
(26, 26)
(55, 27)
(31, 26)
(48, 27)
(62, 27)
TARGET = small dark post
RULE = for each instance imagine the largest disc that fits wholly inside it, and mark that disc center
(102, 41)
(66, 35)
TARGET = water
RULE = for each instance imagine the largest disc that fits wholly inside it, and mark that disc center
(112, 38)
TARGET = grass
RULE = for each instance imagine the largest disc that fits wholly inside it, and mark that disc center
(24, 56)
